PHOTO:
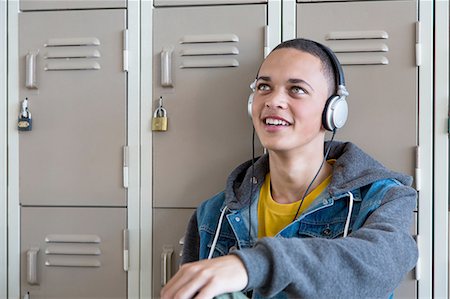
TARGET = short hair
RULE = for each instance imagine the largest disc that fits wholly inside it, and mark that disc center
(312, 47)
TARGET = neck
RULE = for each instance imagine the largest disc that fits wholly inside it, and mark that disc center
(290, 175)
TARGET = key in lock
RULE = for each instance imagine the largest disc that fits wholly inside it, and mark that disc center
(159, 122)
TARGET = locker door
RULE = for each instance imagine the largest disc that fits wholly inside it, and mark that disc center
(72, 75)
(379, 64)
(70, 4)
(208, 62)
(72, 252)
(168, 230)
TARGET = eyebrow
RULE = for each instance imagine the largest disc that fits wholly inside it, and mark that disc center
(292, 80)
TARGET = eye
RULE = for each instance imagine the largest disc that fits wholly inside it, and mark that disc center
(297, 90)
(263, 87)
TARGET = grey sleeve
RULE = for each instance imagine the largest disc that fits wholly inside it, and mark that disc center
(191, 241)
(370, 262)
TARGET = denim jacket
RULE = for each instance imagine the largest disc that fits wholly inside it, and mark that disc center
(309, 258)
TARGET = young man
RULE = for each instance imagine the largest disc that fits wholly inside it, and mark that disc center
(295, 224)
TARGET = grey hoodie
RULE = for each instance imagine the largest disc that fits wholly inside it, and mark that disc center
(369, 263)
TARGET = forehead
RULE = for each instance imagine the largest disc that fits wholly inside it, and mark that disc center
(292, 63)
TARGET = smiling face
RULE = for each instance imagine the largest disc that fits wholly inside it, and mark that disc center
(291, 91)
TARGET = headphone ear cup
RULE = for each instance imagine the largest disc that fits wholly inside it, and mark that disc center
(335, 113)
(250, 104)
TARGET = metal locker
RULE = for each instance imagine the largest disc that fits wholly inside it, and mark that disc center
(203, 74)
(70, 4)
(203, 2)
(73, 252)
(379, 61)
(71, 71)
(167, 244)
(378, 56)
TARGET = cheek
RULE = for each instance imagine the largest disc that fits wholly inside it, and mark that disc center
(308, 114)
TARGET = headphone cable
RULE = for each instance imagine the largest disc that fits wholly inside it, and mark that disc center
(315, 176)
(252, 181)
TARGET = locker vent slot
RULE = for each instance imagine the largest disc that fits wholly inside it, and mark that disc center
(72, 262)
(74, 41)
(349, 48)
(69, 54)
(370, 34)
(60, 53)
(211, 63)
(71, 65)
(83, 252)
(355, 59)
(67, 238)
(225, 50)
(209, 38)
(360, 47)
(75, 249)
(207, 51)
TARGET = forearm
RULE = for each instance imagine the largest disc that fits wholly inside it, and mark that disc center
(370, 262)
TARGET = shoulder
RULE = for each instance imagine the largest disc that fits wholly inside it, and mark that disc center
(385, 189)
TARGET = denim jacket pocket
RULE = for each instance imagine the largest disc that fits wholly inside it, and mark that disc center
(330, 230)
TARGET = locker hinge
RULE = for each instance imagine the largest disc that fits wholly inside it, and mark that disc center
(126, 238)
(418, 44)
(125, 50)
(266, 41)
(418, 171)
(125, 166)
(417, 268)
(448, 125)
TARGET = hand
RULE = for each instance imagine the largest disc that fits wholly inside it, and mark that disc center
(207, 278)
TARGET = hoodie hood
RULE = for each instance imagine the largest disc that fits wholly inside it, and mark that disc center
(353, 169)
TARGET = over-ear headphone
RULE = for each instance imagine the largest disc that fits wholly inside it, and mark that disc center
(335, 111)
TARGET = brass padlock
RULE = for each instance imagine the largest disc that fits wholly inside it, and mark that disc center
(159, 122)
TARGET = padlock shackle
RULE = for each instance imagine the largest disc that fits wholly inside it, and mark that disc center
(24, 111)
(160, 112)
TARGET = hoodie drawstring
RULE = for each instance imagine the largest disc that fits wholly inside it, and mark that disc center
(216, 235)
(349, 215)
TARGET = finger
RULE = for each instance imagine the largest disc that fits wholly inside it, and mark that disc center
(184, 283)
(172, 287)
(194, 285)
(210, 290)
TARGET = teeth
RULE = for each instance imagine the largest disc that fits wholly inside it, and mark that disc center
(276, 122)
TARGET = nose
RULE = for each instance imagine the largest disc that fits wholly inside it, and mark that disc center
(276, 100)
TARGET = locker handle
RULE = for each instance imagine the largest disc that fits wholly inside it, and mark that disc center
(166, 67)
(166, 264)
(30, 73)
(32, 265)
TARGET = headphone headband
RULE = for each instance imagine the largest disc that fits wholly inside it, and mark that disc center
(339, 72)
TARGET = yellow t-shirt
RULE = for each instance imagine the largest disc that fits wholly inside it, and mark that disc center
(273, 216)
